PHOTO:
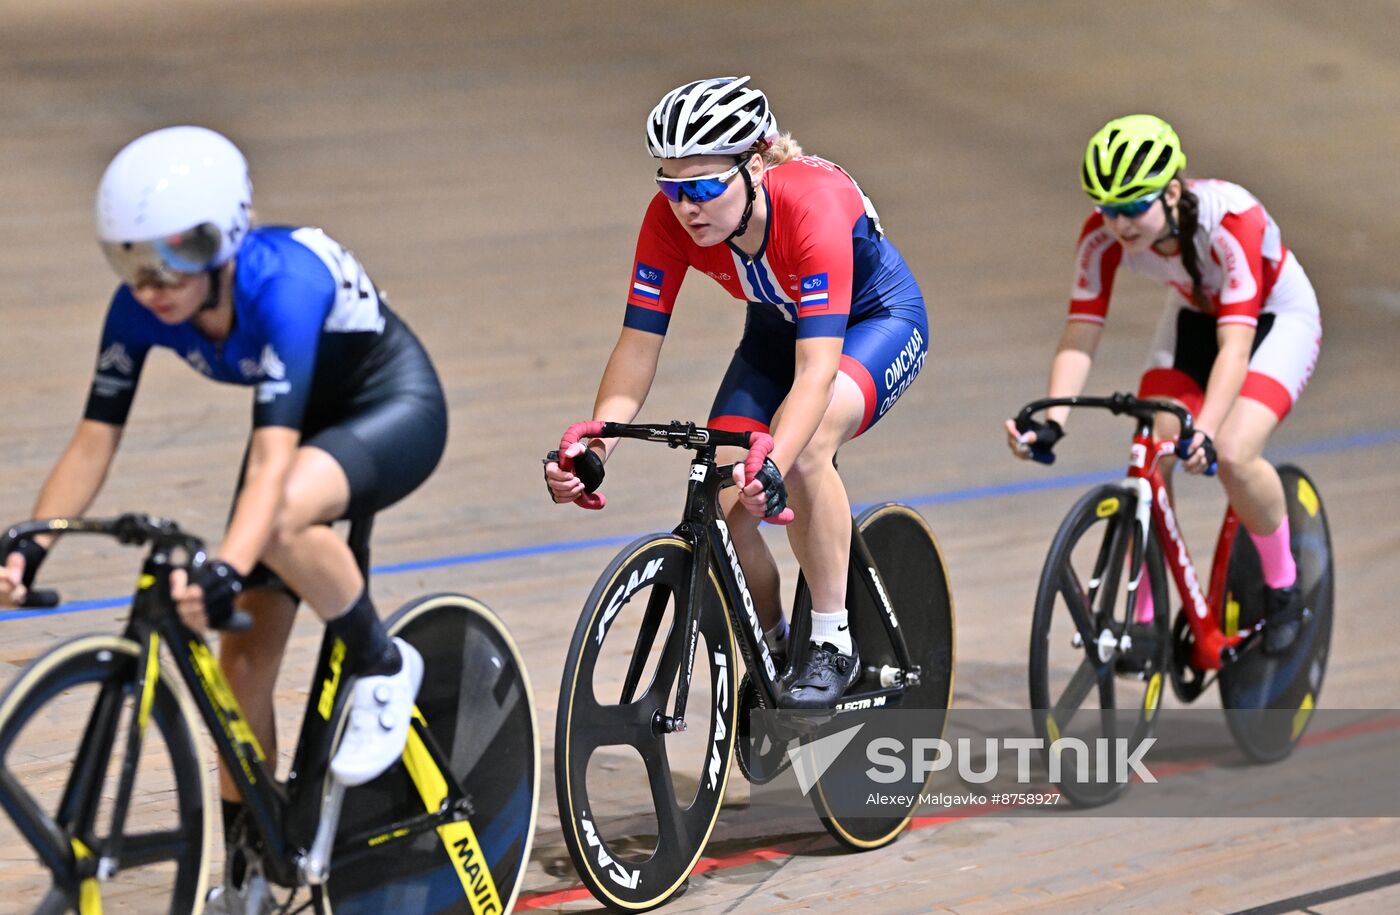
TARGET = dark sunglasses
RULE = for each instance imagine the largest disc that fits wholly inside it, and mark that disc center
(699, 189)
(1132, 209)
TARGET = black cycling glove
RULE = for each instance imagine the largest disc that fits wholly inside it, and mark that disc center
(588, 467)
(221, 584)
(773, 488)
(1046, 435)
(34, 556)
(1184, 450)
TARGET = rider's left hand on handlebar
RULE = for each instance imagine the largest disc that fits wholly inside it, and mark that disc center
(1036, 441)
(764, 496)
(1198, 456)
(204, 597)
(570, 485)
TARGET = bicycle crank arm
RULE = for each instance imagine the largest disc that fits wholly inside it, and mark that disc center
(875, 698)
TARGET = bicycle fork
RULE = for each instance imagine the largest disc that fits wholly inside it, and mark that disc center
(1130, 523)
(699, 563)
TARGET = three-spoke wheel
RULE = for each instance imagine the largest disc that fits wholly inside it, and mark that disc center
(1088, 681)
(638, 798)
(63, 793)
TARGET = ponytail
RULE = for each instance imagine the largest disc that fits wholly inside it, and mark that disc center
(1188, 212)
(778, 150)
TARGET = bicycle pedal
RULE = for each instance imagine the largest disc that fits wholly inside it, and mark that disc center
(254, 897)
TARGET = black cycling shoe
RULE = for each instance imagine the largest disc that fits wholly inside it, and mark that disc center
(1283, 618)
(779, 657)
(1141, 650)
(823, 678)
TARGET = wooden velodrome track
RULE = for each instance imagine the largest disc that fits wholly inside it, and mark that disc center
(486, 163)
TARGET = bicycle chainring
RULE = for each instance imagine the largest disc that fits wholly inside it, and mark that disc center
(1188, 682)
(760, 765)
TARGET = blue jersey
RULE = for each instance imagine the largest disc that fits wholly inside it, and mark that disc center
(307, 325)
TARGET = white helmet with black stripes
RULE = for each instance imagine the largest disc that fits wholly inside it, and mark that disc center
(710, 117)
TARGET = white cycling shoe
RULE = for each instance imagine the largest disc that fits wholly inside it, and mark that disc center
(380, 709)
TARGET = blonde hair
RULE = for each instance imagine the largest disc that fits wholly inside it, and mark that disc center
(779, 150)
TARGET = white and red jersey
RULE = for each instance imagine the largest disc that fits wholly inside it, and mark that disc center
(1238, 249)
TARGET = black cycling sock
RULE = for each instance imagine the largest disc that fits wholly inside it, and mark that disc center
(237, 864)
(368, 647)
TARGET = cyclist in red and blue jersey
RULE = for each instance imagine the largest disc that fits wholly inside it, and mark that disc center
(836, 331)
(1236, 343)
(348, 418)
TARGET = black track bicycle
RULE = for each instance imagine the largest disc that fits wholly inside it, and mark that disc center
(117, 813)
(651, 699)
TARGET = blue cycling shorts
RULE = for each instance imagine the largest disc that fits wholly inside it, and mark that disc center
(881, 354)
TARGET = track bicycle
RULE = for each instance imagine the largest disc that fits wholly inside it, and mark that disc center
(1081, 652)
(665, 617)
(119, 813)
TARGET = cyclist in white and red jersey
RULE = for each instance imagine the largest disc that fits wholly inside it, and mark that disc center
(1236, 344)
(836, 331)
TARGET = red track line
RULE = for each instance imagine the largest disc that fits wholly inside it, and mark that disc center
(784, 850)
(778, 852)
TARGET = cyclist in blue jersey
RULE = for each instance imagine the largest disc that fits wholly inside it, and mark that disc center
(348, 418)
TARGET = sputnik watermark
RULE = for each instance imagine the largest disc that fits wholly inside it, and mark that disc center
(893, 760)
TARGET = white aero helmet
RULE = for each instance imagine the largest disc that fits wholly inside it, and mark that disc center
(710, 117)
(174, 200)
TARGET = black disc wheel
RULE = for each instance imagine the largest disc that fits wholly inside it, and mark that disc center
(475, 713)
(1087, 681)
(1269, 699)
(639, 797)
(915, 577)
(65, 734)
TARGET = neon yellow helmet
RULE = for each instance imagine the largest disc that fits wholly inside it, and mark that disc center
(1131, 158)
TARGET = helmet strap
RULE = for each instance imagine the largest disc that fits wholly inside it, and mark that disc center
(1171, 217)
(748, 207)
(212, 299)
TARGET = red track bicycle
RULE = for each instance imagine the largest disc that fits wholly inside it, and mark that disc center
(1081, 652)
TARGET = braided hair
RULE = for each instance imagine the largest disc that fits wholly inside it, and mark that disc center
(1188, 217)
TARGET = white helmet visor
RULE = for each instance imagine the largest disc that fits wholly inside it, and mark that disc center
(161, 260)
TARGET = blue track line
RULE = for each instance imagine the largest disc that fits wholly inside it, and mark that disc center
(969, 494)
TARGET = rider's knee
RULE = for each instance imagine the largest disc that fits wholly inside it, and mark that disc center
(1165, 426)
(1234, 457)
(743, 526)
(287, 526)
(812, 465)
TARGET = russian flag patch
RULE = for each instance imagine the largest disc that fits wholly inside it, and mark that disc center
(812, 294)
(646, 283)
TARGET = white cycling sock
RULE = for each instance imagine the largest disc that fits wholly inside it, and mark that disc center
(833, 628)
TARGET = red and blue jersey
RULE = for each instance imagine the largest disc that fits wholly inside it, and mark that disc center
(824, 263)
